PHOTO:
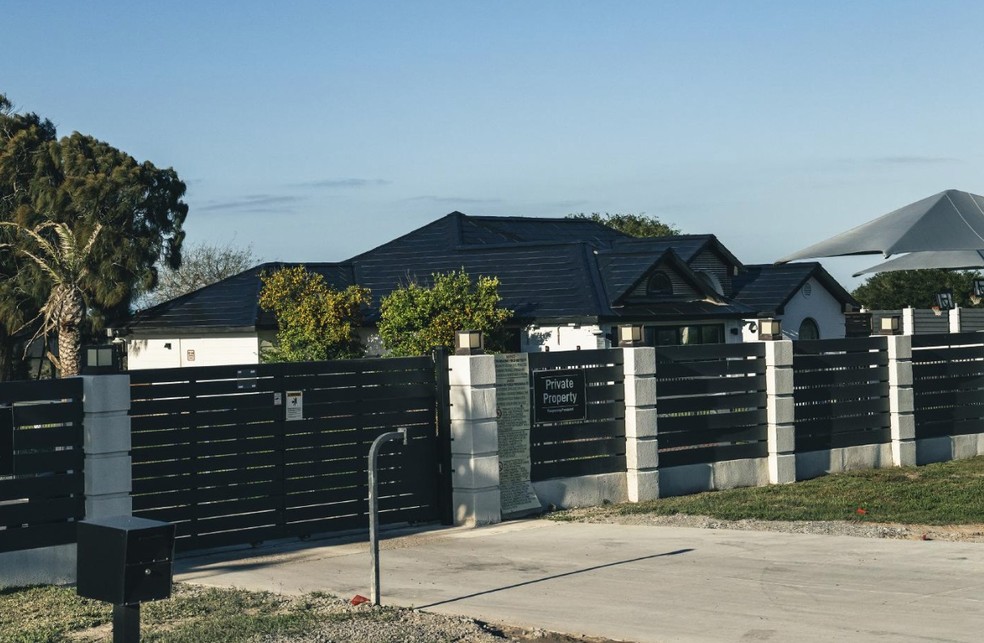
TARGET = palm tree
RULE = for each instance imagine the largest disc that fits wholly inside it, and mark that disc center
(66, 262)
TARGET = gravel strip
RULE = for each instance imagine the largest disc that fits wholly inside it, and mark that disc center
(861, 529)
(345, 623)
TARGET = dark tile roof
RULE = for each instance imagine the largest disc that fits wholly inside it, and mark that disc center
(768, 288)
(499, 230)
(549, 269)
(686, 246)
(229, 305)
(621, 270)
(535, 281)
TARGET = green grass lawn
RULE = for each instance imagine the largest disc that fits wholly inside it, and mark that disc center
(192, 615)
(947, 493)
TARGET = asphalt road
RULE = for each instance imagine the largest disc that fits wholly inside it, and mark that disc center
(646, 583)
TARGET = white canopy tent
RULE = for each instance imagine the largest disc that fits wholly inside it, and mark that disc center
(934, 230)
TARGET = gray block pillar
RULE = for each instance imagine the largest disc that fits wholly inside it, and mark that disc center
(106, 448)
(780, 411)
(108, 473)
(641, 441)
(474, 440)
(901, 400)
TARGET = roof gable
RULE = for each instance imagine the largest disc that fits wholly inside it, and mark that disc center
(625, 276)
(687, 246)
(768, 288)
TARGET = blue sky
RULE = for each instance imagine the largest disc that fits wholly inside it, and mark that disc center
(317, 130)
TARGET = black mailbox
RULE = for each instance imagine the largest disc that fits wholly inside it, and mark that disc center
(124, 560)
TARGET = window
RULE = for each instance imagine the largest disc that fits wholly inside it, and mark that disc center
(809, 329)
(685, 335)
(659, 284)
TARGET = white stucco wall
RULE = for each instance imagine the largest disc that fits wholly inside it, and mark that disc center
(144, 353)
(733, 332)
(819, 304)
(539, 339)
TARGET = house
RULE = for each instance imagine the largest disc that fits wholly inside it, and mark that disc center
(570, 283)
(810, 303)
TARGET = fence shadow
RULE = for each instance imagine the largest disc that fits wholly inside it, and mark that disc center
(556, 576)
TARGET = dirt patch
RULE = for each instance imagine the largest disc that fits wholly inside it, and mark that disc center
(520, 635)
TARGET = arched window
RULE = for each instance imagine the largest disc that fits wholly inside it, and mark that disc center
(809, 329)
(659, 284)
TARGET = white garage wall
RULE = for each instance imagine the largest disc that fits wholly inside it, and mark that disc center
(819, 304)
(193, 351)
(539, 339)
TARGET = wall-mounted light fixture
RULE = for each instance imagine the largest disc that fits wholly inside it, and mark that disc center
(629, 335)
(979, 287)
(977, 292)
(890, 325)
(469, 342)
(944, 300)
(769, 329)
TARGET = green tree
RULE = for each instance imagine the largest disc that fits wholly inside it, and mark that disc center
(23, 139)
(416, 319)
(916, 288)
(65, 260)
(634, 225)
(202, 264)
(81, 182)
(315, 322)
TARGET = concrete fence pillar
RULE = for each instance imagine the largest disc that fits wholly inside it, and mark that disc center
(108, 468)
(780, 411)
(955, 320)
(474, 440)
(901, 400)
(909, 321)
(641, 441)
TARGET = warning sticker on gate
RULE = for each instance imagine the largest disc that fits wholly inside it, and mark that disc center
(295, 405)
(559, 396)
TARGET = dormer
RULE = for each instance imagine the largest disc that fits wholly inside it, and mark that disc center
(631, 278)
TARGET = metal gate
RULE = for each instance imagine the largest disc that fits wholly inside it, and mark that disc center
(588, 439)
(242, 454)
(41, 460)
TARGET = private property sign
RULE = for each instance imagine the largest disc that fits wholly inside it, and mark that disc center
(559, 396)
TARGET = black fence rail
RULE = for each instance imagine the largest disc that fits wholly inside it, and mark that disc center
(711, 403)
(236, 455)
(594, 442)
(948, 384)
(840, 389)
(41, 477)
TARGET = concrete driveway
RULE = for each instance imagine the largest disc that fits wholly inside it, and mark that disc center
(644, 583)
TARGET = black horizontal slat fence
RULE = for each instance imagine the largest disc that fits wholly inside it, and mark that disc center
(711, 403)
(840, 390)
(582, 447)
(214, 453)
(41, 461)
(948, 384)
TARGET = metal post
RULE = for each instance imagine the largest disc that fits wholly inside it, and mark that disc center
(401, 434)
(442, 381)
(126, 623)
